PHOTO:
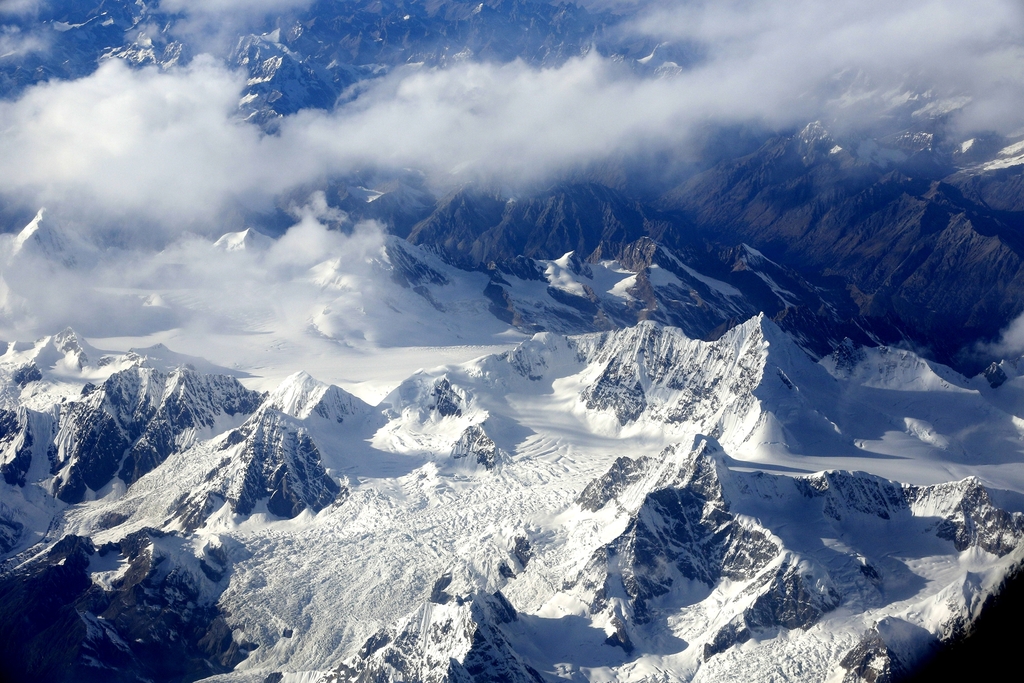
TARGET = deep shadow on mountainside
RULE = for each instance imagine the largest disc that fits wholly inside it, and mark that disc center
(935, 263)
(990, 649)
(156, 625)
(903, 226)
(928, 251)
(938, 249)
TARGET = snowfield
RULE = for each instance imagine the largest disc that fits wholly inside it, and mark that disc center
(628, 505)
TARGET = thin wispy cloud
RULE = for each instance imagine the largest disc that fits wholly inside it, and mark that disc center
(851, 60)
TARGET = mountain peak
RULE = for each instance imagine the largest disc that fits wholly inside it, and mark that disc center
(45, 240)
(65, 349)
(302, 396)
(67, 340)
(28, 231)
(297, 395)
(244, 240)
(814, 132)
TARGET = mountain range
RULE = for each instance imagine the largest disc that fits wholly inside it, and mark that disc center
(483, 523)
(748, 407)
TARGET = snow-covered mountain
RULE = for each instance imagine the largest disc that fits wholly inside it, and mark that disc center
(605, 506)
(514, 340)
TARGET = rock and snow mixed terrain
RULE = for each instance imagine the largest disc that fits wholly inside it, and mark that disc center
(622, 505)
(546, 341)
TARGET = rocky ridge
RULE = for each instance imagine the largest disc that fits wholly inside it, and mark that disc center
(684, 552)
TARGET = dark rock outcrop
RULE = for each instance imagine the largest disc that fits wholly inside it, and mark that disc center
(682, 530)
(25, 435)
(282, 465)
(912, 243)
(478, 447)
(461, 640)
(448, 402)
(135, 420)
(156, 619)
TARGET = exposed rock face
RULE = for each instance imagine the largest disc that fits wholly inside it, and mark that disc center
(68, 344)
(844, 492)
(135, 420)
(890, 651)
(263, 475)
(623, 473)
(478, 447)
(915, 241)
(26, 374)
(144, 607)
(657, 373)
(274, 457)
(700, 287)
(25, 435)
(10, 530)
(683, 530)
(795, 595)
(447, 402)
(281, 464)
(995, 375)
(968, 517)
(845, 357)
(477, 228)
(681, 527)
(872, 662)
(461, 640)
(407, 269)
(618, 391)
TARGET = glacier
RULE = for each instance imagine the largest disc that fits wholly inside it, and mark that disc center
(508, 341)
(624, 505)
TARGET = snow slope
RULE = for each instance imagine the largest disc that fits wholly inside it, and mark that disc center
(610, 506)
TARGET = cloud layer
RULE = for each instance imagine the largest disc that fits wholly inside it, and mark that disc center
(161, 154)
(870, 53)
(166, 147)
(311, 283)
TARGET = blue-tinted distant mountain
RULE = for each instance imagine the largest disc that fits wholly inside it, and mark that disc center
(926, 236)
(907, 228)
(307, 58)
(690, 465)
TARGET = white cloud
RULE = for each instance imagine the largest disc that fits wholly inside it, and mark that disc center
(314, 288)
(14, 42)
(835, 53)
(18, 6)
(165, 146)
(56, 279)
(1010, 344)
(162, 145)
